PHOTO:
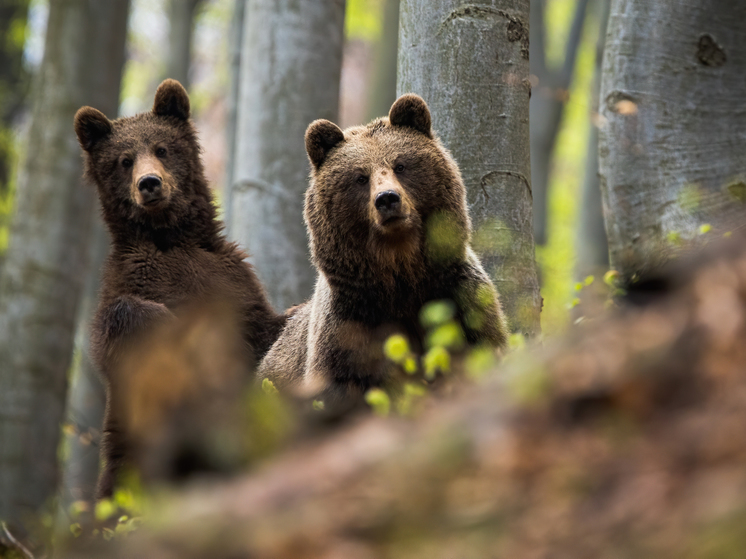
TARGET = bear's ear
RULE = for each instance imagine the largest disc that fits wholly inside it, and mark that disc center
(321, 136)
(171, 99)
(91, 126)
(411, 110)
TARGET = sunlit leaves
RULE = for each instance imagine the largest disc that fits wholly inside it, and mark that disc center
(379, 401)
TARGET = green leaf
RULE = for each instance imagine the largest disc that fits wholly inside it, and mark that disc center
(437, 359)
(379, 401)
(705, 228)
(396, 348)
(318, 405)
(105, 509)
(268, 387)
(448, 335)
(410, 365)
(435, 313)
(611, 277)
(76, 529)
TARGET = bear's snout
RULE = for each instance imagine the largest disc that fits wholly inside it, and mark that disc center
(388, 204)
(150, 187)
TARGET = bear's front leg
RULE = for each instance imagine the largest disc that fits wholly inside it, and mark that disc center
(117, 323)
(116, 327)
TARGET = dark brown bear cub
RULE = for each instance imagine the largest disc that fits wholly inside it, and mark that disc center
(168, 253)
(389, 231)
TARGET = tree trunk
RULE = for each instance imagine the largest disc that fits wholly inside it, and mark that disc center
(87, 397)
(290, 68)
(13, 85)
(593, 247)
(470, 63)
(181, 21)
(47, 257)
(383, 87)
(547, 105)
(235, 42)
(672, 152)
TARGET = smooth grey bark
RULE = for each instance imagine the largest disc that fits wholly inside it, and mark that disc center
(12, 82)
(592, 245)
(235, 42)
(672, 151)
(547, 105)
(86, 397)
(470, 63)
(46, 262)
(181, 30)
(383, 86)
(290, 68)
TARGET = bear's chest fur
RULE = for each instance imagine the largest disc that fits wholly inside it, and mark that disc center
(175, 275)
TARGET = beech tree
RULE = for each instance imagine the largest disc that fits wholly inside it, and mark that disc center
(470, 64)
(290, 67)
(181, 22)
(46, 261)
(672, 148)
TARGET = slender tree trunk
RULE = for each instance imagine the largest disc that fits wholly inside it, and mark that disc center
(470, 63)
(547, 105)
(13, 88)
(47, 258)
(593, 247)
(181, 21)
(672, 152)
(87, 397)
(383, 87)
(290, 68)
(236, 40)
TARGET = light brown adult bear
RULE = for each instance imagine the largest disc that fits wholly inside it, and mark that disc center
(389, 231)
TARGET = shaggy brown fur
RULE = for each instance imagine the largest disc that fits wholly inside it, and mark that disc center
(168, 252)
(389, 229)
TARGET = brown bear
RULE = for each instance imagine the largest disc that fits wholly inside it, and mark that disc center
(389, 231)
(167, 253)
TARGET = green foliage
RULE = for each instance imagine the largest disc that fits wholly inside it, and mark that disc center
(437, 359)
(379, 401)
(396, 348)
(557, 258)
(363, 19)
(435, 313)
(268, 387)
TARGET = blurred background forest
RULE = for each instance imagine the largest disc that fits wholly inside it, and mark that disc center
(209, 79)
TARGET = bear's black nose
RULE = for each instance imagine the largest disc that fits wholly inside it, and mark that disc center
(150, 188)
(388, 204)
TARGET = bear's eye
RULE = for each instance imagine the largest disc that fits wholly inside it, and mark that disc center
(126, 163)
(362, 179)
(160, 152)
(399, 168)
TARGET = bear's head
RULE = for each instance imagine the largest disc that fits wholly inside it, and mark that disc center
(387, 196)
(147, 167)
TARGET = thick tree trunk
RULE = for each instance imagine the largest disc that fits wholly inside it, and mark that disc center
(181, 21)
(672, 152)
(547, 105)
(290, 68)
(470, 63)
(231, 125)
(593, 247)
(383, 87)
(47, 258)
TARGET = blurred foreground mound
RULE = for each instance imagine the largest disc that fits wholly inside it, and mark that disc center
(627, 441)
